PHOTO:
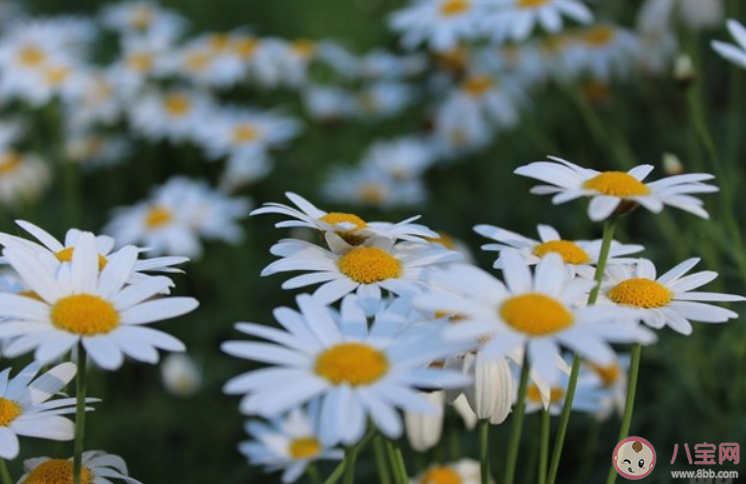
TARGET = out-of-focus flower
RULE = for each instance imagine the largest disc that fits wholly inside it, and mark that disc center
(363, 186)
(672, 164)
(174, 114)
(98, 467)
(383, 99)
(490, 395)
(734, 53)
(423, 430)
(441, 24)
(329, 103)
(603, 51)
(515, 20)
(588, 397)
(465, 471)
(180, 374)
(143, 19)
(23, 178)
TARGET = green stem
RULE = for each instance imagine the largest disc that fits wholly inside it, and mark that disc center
(399, 462)
(515, 427)
(334, 476)
(590, 450)
(313, 473)
(80, 390)
(350, 459)
(4, 474)
(559, 442)
(634, 370)
(380, 452)
(484, 450)
(544, 454)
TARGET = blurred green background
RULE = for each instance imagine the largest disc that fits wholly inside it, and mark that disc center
(692, 389)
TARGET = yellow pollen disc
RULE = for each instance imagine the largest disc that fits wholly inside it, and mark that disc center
(455, 60)
(441, 475)
(372, 193)
(304, 448)
(31, 56)
(353, 364)
(334, 218)
(56, 75)
(177, 104)
(244, 133)
(367, 265)
(599, 36)
(452, 317)
(66, 255)
(454, 7)
(617, 184)
(443, 239)
(477, 85)
(246, 47)
(556, 394)
(157, 216)
(57, 471)
(9, 162)
(141, 17)
(535, 314)
(140, 61)
(197, 61)
(9, 411)
(303, 47)
(531, 3)
(570, 252)
(219, 41)
(608, 374)
(84, 314)
(641, 293)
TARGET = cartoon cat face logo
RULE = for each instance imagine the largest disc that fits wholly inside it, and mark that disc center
(634, 458)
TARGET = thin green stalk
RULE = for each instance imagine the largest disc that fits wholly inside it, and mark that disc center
(484, 450)
(544, 453)
(559, 442)
(313, 473)
(4, 474)
(590, 450)
(334, 476)
(515, 427)
(380, 452)
(634, 370)
(391, 456)
(80, 390)
(399, 459)
(350, 459)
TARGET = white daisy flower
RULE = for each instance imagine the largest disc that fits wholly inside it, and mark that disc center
(175, 217)
(363, 186)
(181, 375)
(423, 430)
(612, 382)
(464, 471)
(734, 53)
(289, 443)
(538, 312)
(383, 99)
(53, 253)
(612, 191)
(23, 177)
(98, 467)
(328, 103)
(144, 19)
(588, 397)
(581, 256)
(441, 24)
(603, 51)
(81, 303)
(668, 300)
(26, 411)
(141, 60)
(365, 270)
(359, 372)
(175, 114)
(481, 97)
(343, 231)
(210, 60)
(515, 20)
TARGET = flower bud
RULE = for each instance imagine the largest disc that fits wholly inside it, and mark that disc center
(491, 395)
(683, 71)
(424, 430)
(672, 165)
(180, 375)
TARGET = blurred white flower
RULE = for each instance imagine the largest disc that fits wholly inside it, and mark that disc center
(143, 19)
(734, 53)
(441, 24)
(516, 20)
(173, 114)
(180, 375)
(423, 430)
(23, 177)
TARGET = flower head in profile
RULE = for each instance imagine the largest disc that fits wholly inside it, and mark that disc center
(668, 300)
(98, 467)
(25, 409)
(538, 312)
(288, 443)
(588, 397)
(515, 20)
(464, 471)
(81, 303)
(441, 24)
(357, 371)
(617, 191)
(580, 255)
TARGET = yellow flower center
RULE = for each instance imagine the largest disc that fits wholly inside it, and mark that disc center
(141, 17)
(303, 48)
(617, 184)
(353, 364)
(599, 36)
(57, 471)
(477, 85)
(66, 255)
(556, 394)
(177, 104)
(304, 448)
(455, 60)
(245, 133)
(31, 56)
(197, 61)
(157, 216)
(9, 411)
(246, 47)
(56, 75)
(531, 3)
(367, 265)
(372, 193)
(441, 475)
(84, 314)
(219, 41)
(140, 61)
(535, 314)
(334, 218)
(443, 239)
(641, 293)
(608, 374)
(454, 7)
(9, 162)
(570, 252)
